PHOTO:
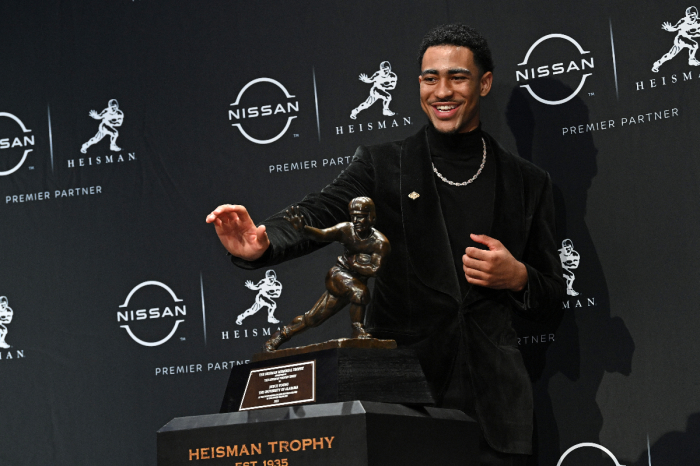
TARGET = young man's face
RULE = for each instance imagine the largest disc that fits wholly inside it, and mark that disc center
(450, 88)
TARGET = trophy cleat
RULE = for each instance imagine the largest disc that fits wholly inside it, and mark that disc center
(358, 331)
(272, 320)
(276, 341)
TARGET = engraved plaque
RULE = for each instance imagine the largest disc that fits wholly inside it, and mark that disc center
(280, 386)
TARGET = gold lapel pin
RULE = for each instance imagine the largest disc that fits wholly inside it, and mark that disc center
(414, 195)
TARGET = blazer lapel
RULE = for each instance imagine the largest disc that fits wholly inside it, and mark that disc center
(509, 206)
(423, 223)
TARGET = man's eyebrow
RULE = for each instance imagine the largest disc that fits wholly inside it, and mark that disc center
(450, 71)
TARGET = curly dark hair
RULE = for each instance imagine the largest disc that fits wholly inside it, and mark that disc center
(460, 35)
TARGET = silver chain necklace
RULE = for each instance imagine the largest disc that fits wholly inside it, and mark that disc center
(471, 180)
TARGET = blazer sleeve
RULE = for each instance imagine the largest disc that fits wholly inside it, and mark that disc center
(545, 283)
(322, 209)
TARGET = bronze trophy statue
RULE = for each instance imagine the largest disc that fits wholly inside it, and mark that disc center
(366, 249)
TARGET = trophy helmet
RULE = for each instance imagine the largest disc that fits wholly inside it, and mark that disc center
(363, 205)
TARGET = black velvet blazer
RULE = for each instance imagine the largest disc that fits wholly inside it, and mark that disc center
(416, 298)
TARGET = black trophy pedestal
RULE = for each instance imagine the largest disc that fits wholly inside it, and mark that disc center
(341, 374)
(353, 433)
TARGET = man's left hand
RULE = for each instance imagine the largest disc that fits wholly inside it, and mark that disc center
(495, 268)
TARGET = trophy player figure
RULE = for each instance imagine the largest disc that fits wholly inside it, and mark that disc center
(111, 118)
(382, 82)
(269, 288)
(346, 282)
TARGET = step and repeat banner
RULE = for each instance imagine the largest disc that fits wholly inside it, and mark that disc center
(124, 123)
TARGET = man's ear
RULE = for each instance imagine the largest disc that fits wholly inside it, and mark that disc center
(485, 83)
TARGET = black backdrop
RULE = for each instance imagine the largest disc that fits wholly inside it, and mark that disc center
(75, 387)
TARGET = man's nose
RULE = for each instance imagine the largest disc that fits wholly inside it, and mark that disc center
(443, 89)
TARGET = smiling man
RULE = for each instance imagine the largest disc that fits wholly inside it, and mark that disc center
(451, 85)
(472, 236)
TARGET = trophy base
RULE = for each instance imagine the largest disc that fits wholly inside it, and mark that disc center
(329, 375)
(351, 433)
(367, 343)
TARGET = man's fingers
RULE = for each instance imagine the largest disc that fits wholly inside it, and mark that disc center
(231, 208)
(491, 243)
(476, 253)
(241, 214)
(477, 265)
(474, 281)
(228, 218)
(474, 276)
(261, 235)
(237, 215)
(222, 210)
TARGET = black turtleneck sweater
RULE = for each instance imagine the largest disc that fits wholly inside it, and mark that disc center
(466, 209)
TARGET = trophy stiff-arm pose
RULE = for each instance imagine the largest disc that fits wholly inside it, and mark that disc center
(382, 82)
(110, 118)
(366, 250)
(269, 288)
(688, 29)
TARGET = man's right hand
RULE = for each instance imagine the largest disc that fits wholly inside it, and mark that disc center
(238, 233)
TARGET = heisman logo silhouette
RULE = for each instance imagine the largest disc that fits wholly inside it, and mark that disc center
(110, 118)
(569, 261)
(268, 288)
(5, 318)
(688, 28)
(382, 82)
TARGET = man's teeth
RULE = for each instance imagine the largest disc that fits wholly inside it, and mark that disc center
(445, 108)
